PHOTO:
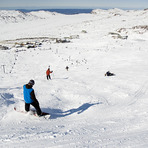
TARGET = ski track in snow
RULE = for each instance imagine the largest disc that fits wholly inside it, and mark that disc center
(87, 109)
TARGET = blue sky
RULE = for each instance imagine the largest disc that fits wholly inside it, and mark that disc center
(27, 4)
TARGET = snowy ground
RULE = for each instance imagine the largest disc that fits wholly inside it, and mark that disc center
(87, 109)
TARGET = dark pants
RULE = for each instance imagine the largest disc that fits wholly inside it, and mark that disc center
(48, 77)
(35, 105)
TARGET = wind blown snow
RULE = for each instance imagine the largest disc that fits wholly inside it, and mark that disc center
(87, 108)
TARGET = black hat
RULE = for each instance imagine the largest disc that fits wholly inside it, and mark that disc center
(31, 82)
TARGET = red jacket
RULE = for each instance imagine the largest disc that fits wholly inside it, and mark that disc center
(48, 72)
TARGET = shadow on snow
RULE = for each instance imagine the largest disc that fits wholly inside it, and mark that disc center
(5, 99)
(57, 113)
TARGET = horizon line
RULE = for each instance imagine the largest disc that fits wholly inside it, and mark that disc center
(39, 8)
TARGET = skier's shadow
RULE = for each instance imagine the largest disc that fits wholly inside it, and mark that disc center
(57, 113)
(61, 78)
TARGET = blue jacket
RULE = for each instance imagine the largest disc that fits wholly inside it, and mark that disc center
(27, 94)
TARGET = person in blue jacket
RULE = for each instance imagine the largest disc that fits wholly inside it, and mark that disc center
(30, 99)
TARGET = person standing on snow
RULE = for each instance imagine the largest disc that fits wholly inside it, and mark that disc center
(30, 99)
(48, 72)
(67, 68)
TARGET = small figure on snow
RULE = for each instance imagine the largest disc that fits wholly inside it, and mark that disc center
(29, 97)
(67, 68)
(48, 72)
(108, 73)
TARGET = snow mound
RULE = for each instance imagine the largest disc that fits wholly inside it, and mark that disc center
(110, 11)
(42, 14)
(119, 12)
(13, 16)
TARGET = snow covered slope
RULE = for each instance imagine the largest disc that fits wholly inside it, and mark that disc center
(87, 108)
(13, 16)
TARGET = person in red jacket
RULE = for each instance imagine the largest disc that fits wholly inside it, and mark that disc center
(48, 72)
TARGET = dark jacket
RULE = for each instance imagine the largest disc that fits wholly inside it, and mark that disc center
(109, 74)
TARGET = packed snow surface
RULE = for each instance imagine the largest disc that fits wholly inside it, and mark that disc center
(87, 108)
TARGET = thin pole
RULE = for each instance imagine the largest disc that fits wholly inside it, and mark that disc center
(3, 68)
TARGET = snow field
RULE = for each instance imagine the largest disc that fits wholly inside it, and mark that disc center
(87, 109)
